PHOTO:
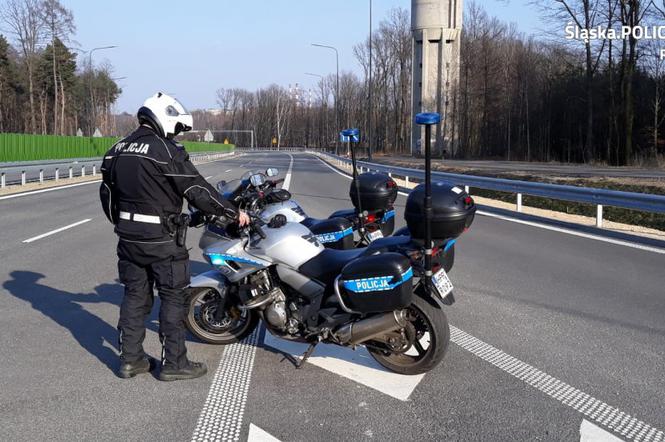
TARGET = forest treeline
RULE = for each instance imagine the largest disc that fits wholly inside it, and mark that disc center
(42, 88)
(520, 97)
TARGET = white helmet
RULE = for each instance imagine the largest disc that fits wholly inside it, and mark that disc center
(166, 115)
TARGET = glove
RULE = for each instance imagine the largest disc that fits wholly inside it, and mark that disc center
(197, 219)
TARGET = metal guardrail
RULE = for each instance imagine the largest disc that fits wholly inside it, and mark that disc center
(73, 170)
(600, 197)
(271, 149)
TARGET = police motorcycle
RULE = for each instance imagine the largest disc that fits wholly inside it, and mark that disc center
(372, 217)
(387, 297)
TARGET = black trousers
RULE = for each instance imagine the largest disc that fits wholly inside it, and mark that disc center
(142, 266)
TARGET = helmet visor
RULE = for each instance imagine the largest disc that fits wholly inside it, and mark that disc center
(176, 108)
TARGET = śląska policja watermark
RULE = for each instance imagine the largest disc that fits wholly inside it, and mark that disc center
(574, 32)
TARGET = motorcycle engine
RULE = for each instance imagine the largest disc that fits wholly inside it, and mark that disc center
(277, 316)
(275, 313)
(272, 301)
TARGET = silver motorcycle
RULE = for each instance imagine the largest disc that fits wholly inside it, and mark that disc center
(255, 191)
(280, 273)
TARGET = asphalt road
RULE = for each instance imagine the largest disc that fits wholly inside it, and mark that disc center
(587, 313)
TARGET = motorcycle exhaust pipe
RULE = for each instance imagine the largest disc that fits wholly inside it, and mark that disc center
(357, 332)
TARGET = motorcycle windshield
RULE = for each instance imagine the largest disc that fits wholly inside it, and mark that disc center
(249, 173)
(228, 189)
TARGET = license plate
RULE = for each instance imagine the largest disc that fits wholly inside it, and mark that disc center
(375, 235)
(442, 283)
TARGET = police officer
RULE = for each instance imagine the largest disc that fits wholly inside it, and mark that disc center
(145, 178)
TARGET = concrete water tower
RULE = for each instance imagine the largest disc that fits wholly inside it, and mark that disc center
(436, 26)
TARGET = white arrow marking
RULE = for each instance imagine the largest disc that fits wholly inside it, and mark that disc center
(287, 178)
(356, 365)
(593, 433)
(256, 434)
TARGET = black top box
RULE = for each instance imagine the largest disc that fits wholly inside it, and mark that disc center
(377, 191)
(453, 211)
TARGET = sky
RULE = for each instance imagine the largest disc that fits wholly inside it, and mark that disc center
(190, 49)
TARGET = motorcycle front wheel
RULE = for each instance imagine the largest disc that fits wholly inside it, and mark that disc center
(430, 335)
(204, 323)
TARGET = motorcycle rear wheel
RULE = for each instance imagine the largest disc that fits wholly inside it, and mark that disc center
(200, 319)
(430, 346)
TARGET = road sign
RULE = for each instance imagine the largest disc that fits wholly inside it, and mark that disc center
(352, 135)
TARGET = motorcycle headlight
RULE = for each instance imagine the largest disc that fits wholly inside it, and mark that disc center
(215, 259)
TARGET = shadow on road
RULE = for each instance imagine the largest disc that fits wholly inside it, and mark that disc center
(93, 333)
(65, 308)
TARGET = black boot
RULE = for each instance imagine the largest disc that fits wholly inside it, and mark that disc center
(131, 369)
(192, 370)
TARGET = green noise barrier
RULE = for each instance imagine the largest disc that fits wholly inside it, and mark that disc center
(24, 147)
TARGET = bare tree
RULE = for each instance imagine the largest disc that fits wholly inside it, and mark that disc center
(632, 14)
(585, 15)
(59, 23)
(24, 22)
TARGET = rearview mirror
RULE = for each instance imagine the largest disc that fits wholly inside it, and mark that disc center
(257, 180)
(271, 172)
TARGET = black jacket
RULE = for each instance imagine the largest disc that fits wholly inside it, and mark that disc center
(148, 175)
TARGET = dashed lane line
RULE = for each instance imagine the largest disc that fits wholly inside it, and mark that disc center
(287, 179)
(256, 434)
(594, 409)
(52, 232)
(221, 417)
(592, 433)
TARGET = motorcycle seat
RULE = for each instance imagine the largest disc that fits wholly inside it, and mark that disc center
(317, 225)
(332, 231)
(344, 213)
(325, 266)
(387, 244)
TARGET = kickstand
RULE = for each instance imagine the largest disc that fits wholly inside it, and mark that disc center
(306, 355)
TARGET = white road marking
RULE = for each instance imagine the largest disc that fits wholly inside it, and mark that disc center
(256, 434)
(44, 235)
(50, 189)
(287, 179)
(543, 226)
(208, 177)
(574, 232)
(341, 173)
(593, 433)
(221, 417)
(356, 365)
(594, 409)
(228, 170)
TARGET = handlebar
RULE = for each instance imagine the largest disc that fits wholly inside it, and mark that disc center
(257, 228)
(223, 222)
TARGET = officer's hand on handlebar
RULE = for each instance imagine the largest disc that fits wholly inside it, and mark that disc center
(243, 219)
